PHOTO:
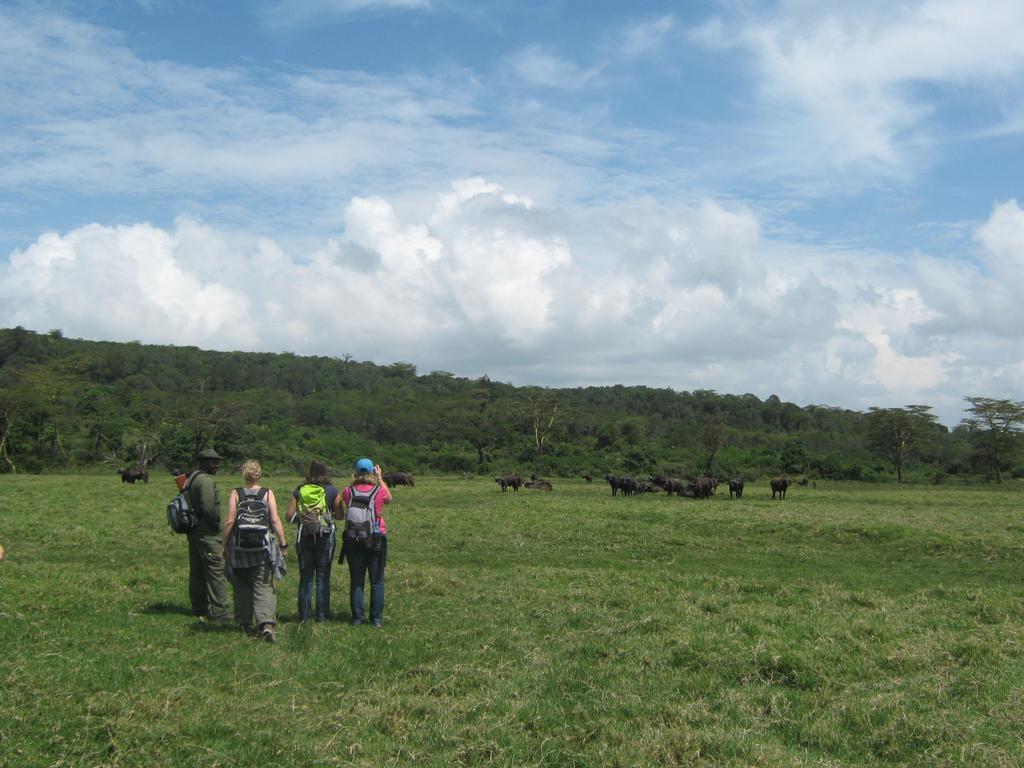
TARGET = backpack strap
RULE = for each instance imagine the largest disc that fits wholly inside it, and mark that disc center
(371, 498)
(187, 490)
(370, 495)
(261, 494)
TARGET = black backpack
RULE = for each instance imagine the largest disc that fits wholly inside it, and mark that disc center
(252, 519)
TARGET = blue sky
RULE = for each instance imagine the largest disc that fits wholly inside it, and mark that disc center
(810, 199)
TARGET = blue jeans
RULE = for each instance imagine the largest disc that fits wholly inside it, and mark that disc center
(315, 566)
(359, 562)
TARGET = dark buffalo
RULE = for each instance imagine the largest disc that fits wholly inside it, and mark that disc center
(589, 478)
(779, 486)
(673, 485)
(736, 488)
(703, 487)
(539, 485)
(803, 482)
(509, 481)
(131, 475)
(399, 478)
(628, 486)
(613, 481)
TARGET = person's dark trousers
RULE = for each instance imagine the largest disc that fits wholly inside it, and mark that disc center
(359, 564)
(207, 587)
(315, 570)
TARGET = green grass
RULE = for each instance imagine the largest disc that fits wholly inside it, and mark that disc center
(850, 625)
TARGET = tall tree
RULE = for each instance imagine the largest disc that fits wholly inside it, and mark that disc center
(543, 409)
(793, 458)
(712, 438)
(477, 422)
(995, 428)
(893, 432)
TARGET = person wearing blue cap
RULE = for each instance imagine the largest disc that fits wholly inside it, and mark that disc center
(365, 541)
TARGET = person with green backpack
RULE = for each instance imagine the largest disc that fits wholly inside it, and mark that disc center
(312, 508)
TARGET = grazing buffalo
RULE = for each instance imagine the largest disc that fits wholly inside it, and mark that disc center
(399, 478)
(736, 487)
(133, 474)
(589, 478)
(673, 485)
(703, 487)
(539, 485)
(779, 486)
(613, 481)
(509, 481)
(802, 482)
(628, 486)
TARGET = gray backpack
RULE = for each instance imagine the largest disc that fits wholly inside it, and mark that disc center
(361, 527)
(181, 515)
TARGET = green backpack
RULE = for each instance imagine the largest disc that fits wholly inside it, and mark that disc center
(314, 515)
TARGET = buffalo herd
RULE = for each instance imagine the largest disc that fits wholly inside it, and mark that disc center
(702, 487)
(515, 482)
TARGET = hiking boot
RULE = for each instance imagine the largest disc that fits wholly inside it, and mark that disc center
(378, 623)
(267, 634)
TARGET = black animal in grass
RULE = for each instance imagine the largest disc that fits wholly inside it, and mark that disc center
(513, 481)
(779, 486)
(736, 488)
(398, 478)
(703, 487)
(133, 474)
(613, 481)
(669, 484)
(628, 486)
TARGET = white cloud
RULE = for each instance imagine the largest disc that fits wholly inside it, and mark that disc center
(646, 37)
(841, 86)
(296, 13)
(1002, 238)
(537, 66)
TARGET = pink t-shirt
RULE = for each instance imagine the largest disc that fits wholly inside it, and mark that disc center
(382, 498)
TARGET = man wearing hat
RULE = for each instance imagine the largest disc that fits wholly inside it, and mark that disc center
(207, 587)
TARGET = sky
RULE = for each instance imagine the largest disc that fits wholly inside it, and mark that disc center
(816, 200)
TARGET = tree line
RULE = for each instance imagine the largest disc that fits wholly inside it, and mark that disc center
(71, 404)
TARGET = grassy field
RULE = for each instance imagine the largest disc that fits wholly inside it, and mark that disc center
(850, 625)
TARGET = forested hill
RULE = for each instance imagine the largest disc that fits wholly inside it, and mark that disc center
(72, 404)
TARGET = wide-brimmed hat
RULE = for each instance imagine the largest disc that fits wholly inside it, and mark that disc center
(209, 453)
